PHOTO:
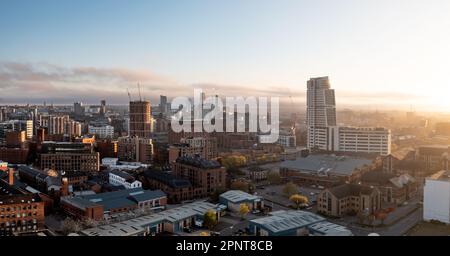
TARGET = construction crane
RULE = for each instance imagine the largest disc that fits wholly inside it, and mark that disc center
(129, 95)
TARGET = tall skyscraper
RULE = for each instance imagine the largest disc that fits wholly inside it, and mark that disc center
(103, 107)
(78, 109)
(321, 111)
(140, 119)
(163, 104)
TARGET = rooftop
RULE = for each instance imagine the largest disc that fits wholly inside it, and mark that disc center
(115, 199)
(350, 190)
(288, 220)
(236, 196)
(329, 229)
(441, 176)
(128, 177)
(136, 225)
(17, 199)
(199, 162)
(327, 164)
(167, 178)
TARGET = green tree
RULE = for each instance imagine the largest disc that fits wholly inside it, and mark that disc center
(299, 200)
(210, 219)
(290, 189)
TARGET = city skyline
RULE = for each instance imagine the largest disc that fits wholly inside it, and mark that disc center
(387, 60)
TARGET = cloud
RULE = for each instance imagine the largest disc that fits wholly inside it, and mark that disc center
(38, 82)
(32, 82)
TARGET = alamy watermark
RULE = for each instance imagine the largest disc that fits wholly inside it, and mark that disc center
(210, 114)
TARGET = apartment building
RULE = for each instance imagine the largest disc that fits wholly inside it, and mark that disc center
(205, 147)
(135, 149)
(21, 213)
(349, 199)
(102, 131)
(208, 174)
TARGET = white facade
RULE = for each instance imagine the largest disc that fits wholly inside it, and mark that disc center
(360, 140)
(436, 203)
(124, 179)
(106, 131)
(109, 161)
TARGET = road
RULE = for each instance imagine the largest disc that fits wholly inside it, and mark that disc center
(399, 228)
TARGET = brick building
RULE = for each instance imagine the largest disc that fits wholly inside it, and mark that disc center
(109, 204)
(205, 147)
(208, 174)
(71, 161)
(177, 189)
(348, 199)
(135, 149)
(21, 213)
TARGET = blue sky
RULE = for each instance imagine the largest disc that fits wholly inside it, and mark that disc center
(376, 52)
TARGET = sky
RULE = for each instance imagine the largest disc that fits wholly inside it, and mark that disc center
(377, 53)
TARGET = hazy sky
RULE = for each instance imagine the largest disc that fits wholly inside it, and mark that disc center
(378, 53)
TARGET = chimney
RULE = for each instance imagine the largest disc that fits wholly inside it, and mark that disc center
(11, 176)
(65, 187)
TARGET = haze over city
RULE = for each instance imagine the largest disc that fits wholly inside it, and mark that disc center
(378, 54)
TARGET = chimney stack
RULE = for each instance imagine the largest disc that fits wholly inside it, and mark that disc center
(11, 176)
(65, 187)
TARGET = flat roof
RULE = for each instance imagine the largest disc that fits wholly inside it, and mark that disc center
(237, 196)
(326, 164)
(115, 199)
(287, 220)
(326, 228)
(125, 228)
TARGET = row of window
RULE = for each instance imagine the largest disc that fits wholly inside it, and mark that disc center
(18, 215)
(8, 209)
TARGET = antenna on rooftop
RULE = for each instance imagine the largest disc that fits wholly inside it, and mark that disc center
(139, 89)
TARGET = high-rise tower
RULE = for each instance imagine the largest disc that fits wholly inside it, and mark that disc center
(321, 112)
(140, 119)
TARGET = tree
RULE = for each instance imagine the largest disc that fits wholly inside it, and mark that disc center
(240, 185)
(90, 223)
(233, 161)
(274, 177)
(204, 233)
(299, 200)
(290, 189)
(210, 219)
(244, 209)
(216, 194)
(71, 226)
